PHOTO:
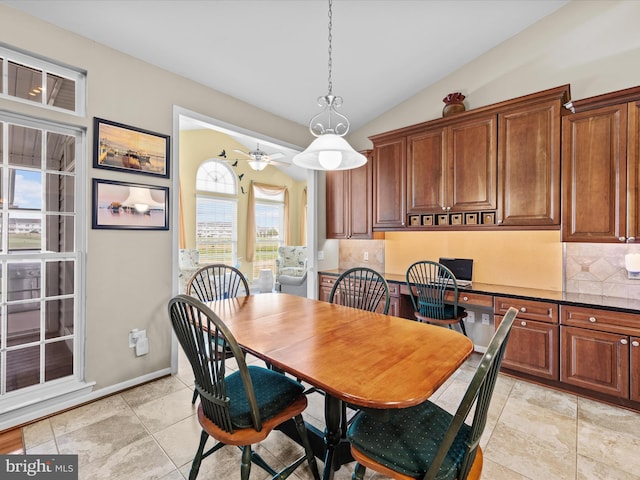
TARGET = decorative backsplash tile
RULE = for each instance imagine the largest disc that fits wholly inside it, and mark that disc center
(352, 254)
(598, 269)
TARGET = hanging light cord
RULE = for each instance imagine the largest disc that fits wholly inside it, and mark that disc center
(329, 102)
(330, 46)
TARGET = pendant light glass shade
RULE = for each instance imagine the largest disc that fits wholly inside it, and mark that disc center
(257, 165)
(329, 152)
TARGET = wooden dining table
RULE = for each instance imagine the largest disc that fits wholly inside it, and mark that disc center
(364, 358)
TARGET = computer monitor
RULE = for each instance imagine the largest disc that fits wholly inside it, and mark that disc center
(462, 269)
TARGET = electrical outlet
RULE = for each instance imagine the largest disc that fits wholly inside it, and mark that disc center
(320, 254)
(471, 317)
(485, 319)
(366, 256)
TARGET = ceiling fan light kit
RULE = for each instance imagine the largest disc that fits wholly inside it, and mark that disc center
(329, 151)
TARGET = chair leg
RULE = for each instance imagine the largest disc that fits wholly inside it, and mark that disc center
(195, 466)
(245, 467)
(311, 458)
(358, 472)
(195, 397)
(464, 330)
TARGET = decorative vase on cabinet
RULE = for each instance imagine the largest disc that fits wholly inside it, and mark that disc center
(454, 103)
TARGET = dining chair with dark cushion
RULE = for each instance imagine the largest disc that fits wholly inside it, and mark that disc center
(426, 441)
(361, 288)
(216, 281)
(428, 282)
(237, 407)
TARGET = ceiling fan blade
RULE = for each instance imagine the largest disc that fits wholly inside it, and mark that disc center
(243, 153)
(273, 156)
(275, 162)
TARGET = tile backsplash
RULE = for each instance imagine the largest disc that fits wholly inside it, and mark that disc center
(598, 269)
(352, 254)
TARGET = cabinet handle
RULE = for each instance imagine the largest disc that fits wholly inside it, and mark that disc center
(624, 341)
(523, 323)
(523, 309)
(465, 298)
(635, 343)
(592, 319)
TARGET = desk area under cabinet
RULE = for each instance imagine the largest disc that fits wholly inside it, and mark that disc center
(585, 344)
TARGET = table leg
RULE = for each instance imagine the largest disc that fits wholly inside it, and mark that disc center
(333, 434)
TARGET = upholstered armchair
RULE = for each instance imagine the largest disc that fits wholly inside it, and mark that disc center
(291, 270)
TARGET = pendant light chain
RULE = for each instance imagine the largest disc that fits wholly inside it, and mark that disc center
(330, 47)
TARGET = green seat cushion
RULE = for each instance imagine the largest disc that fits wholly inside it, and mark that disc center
(447, 312)
(274, 392)
(407, 439)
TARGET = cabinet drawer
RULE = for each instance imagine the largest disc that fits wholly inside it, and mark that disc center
(327, 280)
(528, 309)
(601, 320)
(465, 298)
(394, 289)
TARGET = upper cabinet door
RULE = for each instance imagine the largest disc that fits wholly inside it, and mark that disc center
(360, 201)
(337, 204)
(389, 183)
(426, 172)
(594, 175)
(471, 165)
(529, 165)
(633, 169)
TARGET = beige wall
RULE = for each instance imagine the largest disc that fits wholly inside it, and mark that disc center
(197, 146)
(129, 275)
(594, 46)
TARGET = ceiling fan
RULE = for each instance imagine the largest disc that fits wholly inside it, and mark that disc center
(259, 159)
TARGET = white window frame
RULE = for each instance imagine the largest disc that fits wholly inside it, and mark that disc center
(268, 201)
(8, 54)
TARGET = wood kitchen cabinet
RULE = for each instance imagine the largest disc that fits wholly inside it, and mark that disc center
(389, 182)
(529, 160)
(533, 343)
(600, 156)
(453, 167)
(600, 351)
(349, 202)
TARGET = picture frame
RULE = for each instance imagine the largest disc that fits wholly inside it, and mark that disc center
(129, 149)
(129, 206)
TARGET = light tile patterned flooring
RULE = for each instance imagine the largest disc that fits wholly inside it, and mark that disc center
(532, 433)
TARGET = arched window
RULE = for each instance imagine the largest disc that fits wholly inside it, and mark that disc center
(217, 213)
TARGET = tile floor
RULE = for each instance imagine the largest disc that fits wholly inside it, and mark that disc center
(532, 433)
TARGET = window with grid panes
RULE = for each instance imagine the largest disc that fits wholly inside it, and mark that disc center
(269, 231)
(216, 213)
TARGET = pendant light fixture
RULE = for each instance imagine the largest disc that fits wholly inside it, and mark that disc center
(329, 151)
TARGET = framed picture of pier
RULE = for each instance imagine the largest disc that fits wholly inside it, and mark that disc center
(129, 206)
(129, 149)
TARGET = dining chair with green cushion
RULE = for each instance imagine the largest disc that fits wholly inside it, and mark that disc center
(216, 281)
(426, 441)
(237, 406)
(361, 288)
(428, 282)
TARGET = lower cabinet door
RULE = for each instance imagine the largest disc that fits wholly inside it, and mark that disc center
(532, 348)
(595, 360)
(635, 369)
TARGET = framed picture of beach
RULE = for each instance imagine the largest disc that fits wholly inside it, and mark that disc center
(129, 206)
(129, 149)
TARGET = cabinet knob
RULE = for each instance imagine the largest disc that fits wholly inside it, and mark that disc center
(465, 298)
(444, 209)
(592, 319)
(624, 341)
(635, 343)
(523, 323)
(622, 239)
(523, 309)
(631, 239)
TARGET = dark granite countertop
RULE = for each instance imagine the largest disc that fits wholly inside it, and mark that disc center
(564, 298)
